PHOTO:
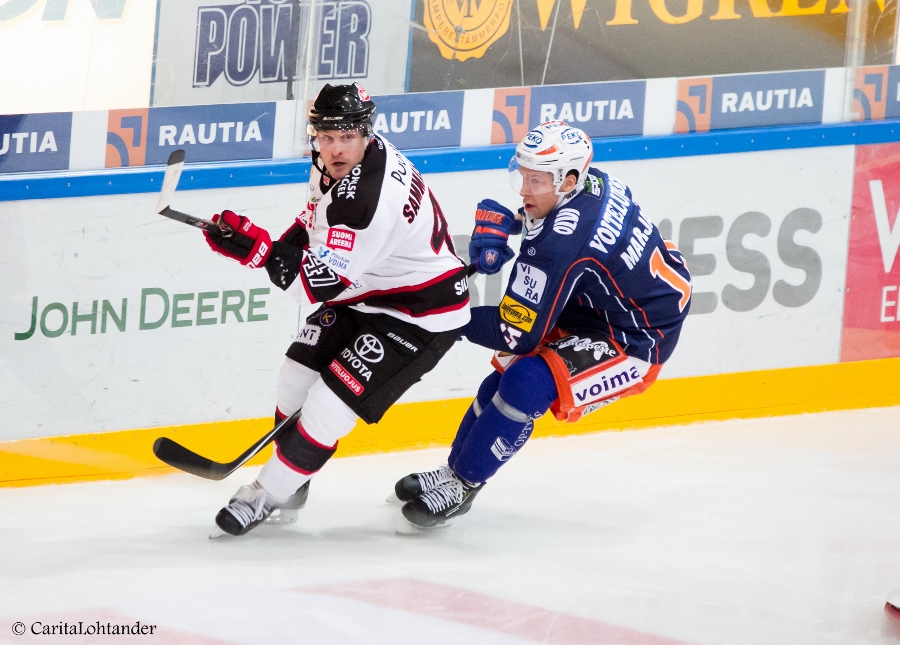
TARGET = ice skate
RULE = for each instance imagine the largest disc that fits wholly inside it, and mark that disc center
(252, 505)
(439, 506)
(411, 486)
(287, 512)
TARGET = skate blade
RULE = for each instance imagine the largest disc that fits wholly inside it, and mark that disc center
(218, 534)
(393, 499)
(282, 516)
(404, 527)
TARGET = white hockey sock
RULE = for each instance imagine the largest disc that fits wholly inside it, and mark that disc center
(325, 417)
(294, 382)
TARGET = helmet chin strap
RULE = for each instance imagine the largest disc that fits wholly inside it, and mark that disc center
(563, 198)
(319, 166)
(530, 221)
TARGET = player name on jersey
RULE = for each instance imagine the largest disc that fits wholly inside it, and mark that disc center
(606, 236)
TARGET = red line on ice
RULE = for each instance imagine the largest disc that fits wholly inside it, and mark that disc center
(475, 609)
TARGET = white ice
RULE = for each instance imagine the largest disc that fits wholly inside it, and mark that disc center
(781, 530)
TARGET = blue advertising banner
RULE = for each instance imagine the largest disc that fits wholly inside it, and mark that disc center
(430, 120)
(600, 109)
(758, 100)
(211, 132)
(35, 142)
(892, 98)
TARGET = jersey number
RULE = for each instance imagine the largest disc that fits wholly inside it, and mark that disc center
(659, 269)
(440, 232)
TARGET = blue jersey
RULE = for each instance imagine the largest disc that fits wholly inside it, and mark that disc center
(596, 264)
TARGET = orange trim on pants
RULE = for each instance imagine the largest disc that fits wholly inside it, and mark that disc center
(564, 408)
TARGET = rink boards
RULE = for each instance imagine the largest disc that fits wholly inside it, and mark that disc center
(118, 325)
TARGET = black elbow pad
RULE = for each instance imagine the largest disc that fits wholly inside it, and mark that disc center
(283, 264)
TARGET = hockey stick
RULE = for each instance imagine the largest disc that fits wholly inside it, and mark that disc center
(176, 455)
(170, 181)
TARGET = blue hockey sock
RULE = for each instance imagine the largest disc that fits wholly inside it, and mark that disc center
(486, 391)
(525, 392)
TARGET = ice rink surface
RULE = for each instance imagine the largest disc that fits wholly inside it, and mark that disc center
(772, 531)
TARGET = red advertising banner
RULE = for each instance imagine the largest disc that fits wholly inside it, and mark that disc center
(872, 298)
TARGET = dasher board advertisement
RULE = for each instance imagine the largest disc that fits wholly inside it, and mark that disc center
(204, 132)
(72, 55)
(504, 43)
(214, 51)
(117, 318)
(750, 101)
(600, 109)
(430, 120)
(35, 142)
(871, 309)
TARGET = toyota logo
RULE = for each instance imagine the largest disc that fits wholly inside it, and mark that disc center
(369, 348)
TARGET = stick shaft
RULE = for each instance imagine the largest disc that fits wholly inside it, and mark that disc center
(170, 182)
(178, 216)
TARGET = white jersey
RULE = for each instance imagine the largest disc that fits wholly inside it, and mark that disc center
(379, 242)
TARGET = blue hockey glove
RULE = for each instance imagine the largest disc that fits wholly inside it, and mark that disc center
(494, 223)
(489, 259)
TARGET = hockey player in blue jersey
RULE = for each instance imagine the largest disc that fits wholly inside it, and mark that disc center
(593, 308)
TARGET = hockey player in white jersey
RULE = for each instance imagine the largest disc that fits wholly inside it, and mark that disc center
(373, 246)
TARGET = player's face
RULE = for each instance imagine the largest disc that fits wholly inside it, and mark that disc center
(538, 193)
(341, 150)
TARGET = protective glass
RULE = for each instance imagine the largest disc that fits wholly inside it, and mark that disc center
(534, 182)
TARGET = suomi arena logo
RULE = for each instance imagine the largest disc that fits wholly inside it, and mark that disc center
(464, 29)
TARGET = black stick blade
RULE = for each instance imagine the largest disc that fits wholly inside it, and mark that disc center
(176, 455)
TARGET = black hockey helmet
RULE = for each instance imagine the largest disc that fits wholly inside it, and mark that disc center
(342, 107)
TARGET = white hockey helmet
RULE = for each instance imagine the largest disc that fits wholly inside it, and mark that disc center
(554, 147)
